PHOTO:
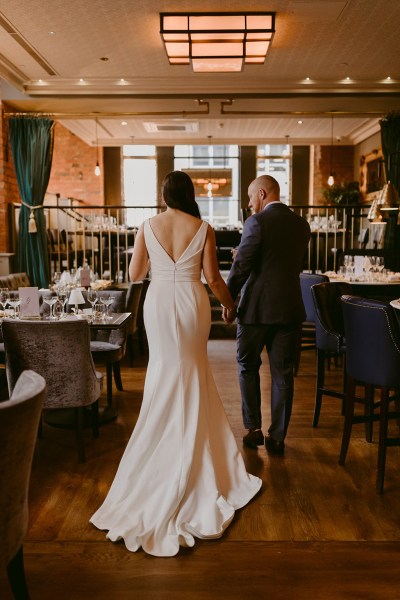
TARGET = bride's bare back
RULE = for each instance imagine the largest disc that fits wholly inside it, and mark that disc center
(174, 230)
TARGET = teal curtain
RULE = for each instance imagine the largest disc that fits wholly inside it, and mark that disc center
(32, 150)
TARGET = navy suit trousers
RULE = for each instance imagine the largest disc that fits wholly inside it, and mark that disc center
(280, 342)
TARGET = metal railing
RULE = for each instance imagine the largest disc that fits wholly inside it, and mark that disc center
(101, 236)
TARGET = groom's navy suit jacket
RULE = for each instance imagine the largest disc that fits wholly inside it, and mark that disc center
(267, 267)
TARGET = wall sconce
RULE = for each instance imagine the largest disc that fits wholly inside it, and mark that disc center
(217, 42)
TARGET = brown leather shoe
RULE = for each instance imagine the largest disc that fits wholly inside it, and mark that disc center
(274, 447)
(253, 438)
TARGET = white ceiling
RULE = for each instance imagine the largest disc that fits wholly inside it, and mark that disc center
(62, 43)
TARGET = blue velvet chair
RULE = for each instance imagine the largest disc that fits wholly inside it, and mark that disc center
(329, 335)
(373, 358)
(307, 334)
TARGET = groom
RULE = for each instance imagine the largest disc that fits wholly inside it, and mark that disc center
(270, 312)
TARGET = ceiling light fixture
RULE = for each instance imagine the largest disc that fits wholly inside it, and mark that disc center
(217, 42)
(97, 170)
(331, 179)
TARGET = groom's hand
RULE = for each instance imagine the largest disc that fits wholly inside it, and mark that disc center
(228, 315)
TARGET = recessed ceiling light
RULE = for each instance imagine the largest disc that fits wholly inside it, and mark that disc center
(300, 122)
(388, 78)
(347, 78)
(51, 32)
(124, 123)
(308, 79)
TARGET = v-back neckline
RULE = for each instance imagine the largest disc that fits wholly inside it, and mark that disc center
(185, 250)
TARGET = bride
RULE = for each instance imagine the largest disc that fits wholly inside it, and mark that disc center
(181, 475)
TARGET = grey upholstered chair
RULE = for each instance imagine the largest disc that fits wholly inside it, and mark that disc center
(108, 347)
(19, 419)
(60, 352)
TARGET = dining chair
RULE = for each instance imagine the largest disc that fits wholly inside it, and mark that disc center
(329, 336)
(373, 358)
(19, 419)
(60, 352)
(108, 348)
(307, 333)
(132, 302)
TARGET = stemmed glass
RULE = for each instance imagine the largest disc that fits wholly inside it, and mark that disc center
(380, 264)
(4, 296)
(107, 299)
(14, 302)
(92, 297)
(51, 299)
(56, 278)
(63, 295)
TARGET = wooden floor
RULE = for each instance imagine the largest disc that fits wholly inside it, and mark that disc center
(316, 530)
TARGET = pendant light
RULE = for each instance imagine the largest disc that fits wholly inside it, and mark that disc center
(97, 170)
(331, 179)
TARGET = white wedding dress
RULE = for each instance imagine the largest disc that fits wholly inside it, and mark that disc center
(181, 474)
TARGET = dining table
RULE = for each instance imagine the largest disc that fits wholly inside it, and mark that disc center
(375, 289)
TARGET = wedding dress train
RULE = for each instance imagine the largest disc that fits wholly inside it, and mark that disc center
(181, 475)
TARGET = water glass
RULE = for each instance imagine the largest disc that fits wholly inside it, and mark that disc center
(100, 313)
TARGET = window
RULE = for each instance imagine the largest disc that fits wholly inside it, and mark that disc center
(214, 171)
(275, 160)
(139, 183)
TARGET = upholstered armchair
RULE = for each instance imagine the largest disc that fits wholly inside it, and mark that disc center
(19, 419)
(60, 352)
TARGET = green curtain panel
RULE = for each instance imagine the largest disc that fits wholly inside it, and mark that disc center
(32, 150)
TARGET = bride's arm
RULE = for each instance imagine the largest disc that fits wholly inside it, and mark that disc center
(139, 264)
(211, 272)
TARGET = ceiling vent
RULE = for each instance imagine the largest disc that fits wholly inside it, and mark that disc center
(182, 127)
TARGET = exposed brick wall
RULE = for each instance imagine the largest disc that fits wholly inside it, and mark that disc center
(8, 182)
(72, 171)
(342, 167)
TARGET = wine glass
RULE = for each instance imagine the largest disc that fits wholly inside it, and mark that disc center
(107, 299)
(92, 297)
(51, 299)
(56, 278)
(63, 296)
(380, 263)
(4, 296)
(14, 302)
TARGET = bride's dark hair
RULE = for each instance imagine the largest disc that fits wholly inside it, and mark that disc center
(177, 191)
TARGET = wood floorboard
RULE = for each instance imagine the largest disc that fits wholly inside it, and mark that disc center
(316, 529)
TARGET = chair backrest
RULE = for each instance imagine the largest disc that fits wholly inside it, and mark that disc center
(329, 326)
(19, 421)
(306, 281)
(372, 341)
(132, 304)
(60, 352)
